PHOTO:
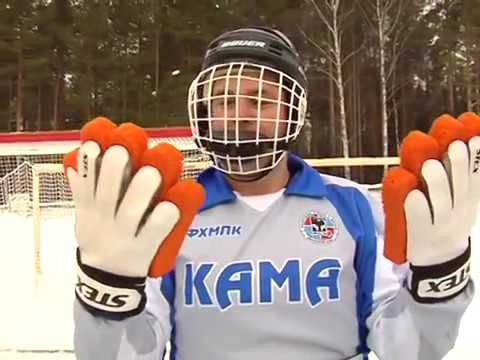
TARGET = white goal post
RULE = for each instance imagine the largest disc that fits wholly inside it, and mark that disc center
(39, 171)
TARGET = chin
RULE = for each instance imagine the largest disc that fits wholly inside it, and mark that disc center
(251, 177)
(246, 178)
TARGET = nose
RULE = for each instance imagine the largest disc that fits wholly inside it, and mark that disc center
(242, 108)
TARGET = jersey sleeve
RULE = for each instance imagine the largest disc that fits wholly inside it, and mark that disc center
(140, 337)
(401, 328)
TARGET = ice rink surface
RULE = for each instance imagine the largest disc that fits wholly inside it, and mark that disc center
(36, 320)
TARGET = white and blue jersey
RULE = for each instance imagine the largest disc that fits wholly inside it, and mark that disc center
(303, 279)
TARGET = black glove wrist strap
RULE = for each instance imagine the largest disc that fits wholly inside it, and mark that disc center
(109, 295)
(441, 282)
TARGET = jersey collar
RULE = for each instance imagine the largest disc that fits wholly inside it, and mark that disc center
(305, 181)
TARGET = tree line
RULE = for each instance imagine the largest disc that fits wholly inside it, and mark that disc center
(377, 68)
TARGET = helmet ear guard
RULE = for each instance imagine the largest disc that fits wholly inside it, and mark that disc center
(245, 56)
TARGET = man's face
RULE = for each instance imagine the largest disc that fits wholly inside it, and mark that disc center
(254, 102)
(244, 115)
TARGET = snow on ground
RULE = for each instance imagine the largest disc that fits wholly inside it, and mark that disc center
(36, 320)
(36, 313)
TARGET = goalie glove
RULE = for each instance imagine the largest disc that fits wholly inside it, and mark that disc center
(131, 214)
(431, 204)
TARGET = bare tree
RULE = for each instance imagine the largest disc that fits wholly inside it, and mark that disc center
(384, 18)
(450, 68)
(333, 16)
(467, 56)
(20, 95)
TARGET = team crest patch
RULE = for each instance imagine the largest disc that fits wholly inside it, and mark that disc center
(319, 228)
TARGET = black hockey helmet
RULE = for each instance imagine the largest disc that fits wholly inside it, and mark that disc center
(233, 57)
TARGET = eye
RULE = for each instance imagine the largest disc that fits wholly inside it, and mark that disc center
(221, 102)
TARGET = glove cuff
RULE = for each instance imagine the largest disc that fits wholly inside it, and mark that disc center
(438, 283)
(112, 296)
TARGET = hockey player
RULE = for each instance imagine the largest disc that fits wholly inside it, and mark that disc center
(280, 262)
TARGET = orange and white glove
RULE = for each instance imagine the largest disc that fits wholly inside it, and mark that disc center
(431, 204)
(131, 214)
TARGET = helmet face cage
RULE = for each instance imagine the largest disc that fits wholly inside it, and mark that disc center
(244, 115)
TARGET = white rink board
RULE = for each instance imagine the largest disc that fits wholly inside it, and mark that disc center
(36, 314)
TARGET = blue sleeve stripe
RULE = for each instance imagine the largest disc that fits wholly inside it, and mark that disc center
(356, 215)
(167, 287)
(365, 265)
(168, 290)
